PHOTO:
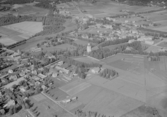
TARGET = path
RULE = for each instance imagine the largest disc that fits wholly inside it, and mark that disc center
(30, 112)
(56, 102)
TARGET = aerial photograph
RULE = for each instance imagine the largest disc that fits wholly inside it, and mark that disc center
(83, 58)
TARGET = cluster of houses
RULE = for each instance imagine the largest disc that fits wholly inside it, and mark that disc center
(102, 31)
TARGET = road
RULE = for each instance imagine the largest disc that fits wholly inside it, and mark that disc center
(56, 102)
(30, 113)
(12, 83)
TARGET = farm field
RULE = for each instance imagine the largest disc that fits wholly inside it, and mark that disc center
(26, 28)
(111, 104)
(157, 68)
(125, 62)
(34, 41)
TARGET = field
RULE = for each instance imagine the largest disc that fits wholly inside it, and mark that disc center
(122, 65)
(157, 68)
(60, 47)
(103, 101)
(111, 104)
(163, 44)
(126, 62)
(34, 41)
(42, 107)
(104, 8)
(27, 29)
(72, 89)
(29, 10)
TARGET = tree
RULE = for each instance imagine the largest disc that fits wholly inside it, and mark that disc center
(11, 110)
(2, 111)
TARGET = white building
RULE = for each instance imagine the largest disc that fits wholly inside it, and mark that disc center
(89, 49)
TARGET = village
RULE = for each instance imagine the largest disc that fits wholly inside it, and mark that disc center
(79, 59)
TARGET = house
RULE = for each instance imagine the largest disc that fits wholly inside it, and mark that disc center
(131, 41)
(35, 78)
(22, 89)
(60, 63)
(54, 75)
(9, 103)
(95, 70)
(66, 101)
(13, 77)
(85, 36)
(62, 69)
(42, 76)
(129, 48)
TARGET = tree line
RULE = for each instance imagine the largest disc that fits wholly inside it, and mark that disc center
(117, 41)
(109, 74)
(134, 47)
(10, 19)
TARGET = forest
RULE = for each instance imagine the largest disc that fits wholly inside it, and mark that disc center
(10, 19)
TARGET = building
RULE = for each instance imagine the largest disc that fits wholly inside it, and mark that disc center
(89, 48)
(62, 69)
(95, 70)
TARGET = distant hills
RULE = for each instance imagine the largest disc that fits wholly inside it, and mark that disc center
(130, 2)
